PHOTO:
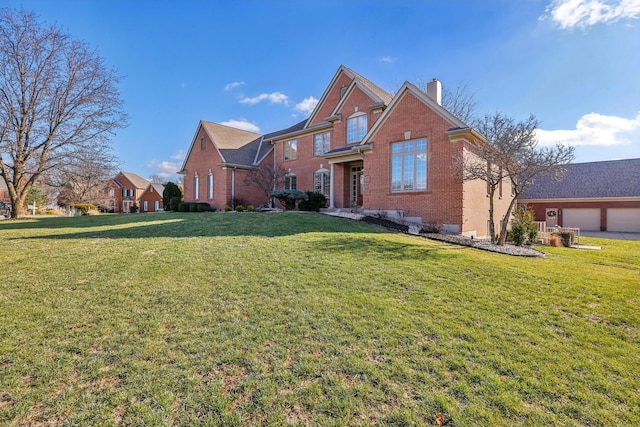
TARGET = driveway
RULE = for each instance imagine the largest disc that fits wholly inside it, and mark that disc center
(611, 235)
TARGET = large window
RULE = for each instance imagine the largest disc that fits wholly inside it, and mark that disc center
(210, 187)
(322, 182)
(409, 165)
(196, 187)
(321, 143)
(291, 149)
(290, 182)
(356, 128)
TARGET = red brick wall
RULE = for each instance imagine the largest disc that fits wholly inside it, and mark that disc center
(332, 99)
(205, 161)
(150, 196)
(441, 203)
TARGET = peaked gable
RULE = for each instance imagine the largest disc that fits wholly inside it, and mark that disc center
(333, 94)
(407, 88)
(136, 180)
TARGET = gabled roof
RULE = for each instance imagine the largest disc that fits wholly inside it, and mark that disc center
(372, 89)
(613, 178)
(408, 87)
(158, 188)
(136, 180)
(227, 137)
(3, 184)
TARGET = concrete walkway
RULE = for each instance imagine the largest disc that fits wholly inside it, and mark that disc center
(610, 235)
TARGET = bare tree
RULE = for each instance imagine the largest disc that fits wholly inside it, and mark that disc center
(461, 101)
(266, 177)
(509, 150)
(157, 179)
(82, 179)
(57, 100)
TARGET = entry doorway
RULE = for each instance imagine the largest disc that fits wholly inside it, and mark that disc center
(552, 217)
(357, 185)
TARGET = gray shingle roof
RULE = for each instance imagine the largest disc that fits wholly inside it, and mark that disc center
(613, 178)
(136, 180)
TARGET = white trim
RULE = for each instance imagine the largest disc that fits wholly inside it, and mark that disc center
(582, 200)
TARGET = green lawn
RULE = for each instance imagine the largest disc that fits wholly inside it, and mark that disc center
(304, 319)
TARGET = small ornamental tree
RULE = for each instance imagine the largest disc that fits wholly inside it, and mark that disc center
(523, 227)
(289, 198)
(171, 190)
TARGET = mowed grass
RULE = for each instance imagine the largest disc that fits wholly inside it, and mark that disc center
(304, 319)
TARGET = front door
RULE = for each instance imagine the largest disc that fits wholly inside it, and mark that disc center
(357, 185)
(552, 217)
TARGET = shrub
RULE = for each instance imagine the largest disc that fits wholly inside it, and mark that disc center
(170, 192)
(239, 208)
(523, 227)
(193, 207)
(133, 208)
(174, 203)
(567, 238)
(50, 212)
(83, 208)
(554, 240)
(315, 201)
(251, 208)
(288, 198)
(183, 207)
(205, 207)
(227, 208)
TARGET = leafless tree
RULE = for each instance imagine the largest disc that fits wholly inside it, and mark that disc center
(266, 177)
(508, 150)
(82, 179)
(58, 100)
(461, 101)
(157, 179)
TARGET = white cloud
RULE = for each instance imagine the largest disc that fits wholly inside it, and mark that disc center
(584, 13)
(274, 98)
(180, 154)
(164, 169)
(595, 130)
(233, 85)
(243, 124)
(388, 59)
(307, 105)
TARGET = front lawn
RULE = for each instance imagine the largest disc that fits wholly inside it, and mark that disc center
(303, 319)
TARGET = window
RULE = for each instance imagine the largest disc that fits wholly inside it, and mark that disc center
(156, 205)
(409, 165)
(290, 182)
(356, 128)
(291, 149)
(202, 143)
(111, 192)
(322, 182)
(321, 143)
(210, 187)
(196, 184)
(145, 206)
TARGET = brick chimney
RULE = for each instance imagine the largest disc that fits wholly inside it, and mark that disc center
(434, 90)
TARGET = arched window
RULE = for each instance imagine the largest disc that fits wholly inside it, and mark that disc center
(196, 187)
(321, 181)
(290, 181)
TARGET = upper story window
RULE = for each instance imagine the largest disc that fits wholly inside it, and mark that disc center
(356, 127)
(321, 143)
(202, 143)
(290, 182)
(409, 165)
(111, 192)
(291, 149)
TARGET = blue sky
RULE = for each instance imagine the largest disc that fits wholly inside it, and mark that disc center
(261, 65)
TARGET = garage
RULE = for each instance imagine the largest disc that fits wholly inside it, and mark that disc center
(584, 219)
(623, 220)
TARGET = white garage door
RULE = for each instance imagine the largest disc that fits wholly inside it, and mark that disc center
(623, 219)
(584, 219)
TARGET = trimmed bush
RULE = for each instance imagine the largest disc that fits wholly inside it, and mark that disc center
(251, 208)
(227, 208)
(315, 201)
(183, 207)
(83, 207)
(174, 203)
(239, 208)
(288, 198)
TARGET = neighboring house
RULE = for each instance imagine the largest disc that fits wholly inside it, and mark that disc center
(595, 196)
(123, 191)
(151, 199)
(364, 149)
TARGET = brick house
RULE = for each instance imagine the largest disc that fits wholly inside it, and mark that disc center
(594, 196)
(123, 191)
(4, 191)
(368, 150)
(151, 198)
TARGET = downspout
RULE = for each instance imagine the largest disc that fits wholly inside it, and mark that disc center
(233, 187)
(275, 171)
